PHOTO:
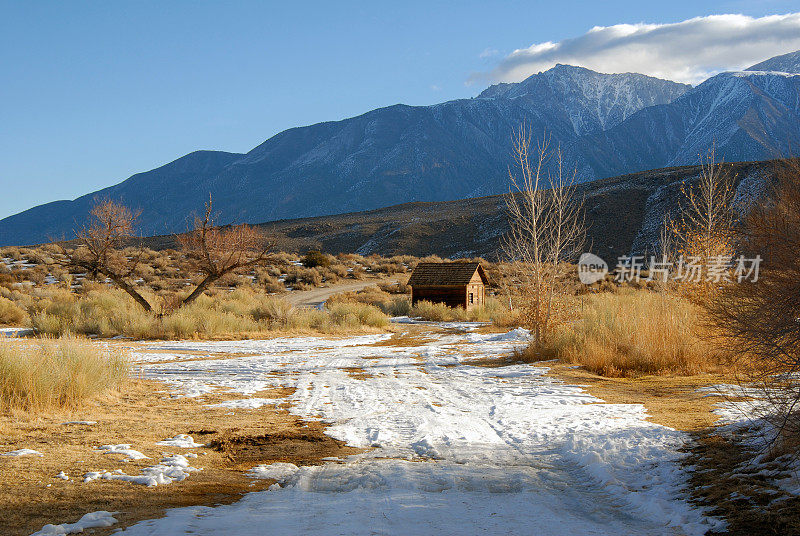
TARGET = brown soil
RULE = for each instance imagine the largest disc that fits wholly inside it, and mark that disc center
(670, 400)
(237, 440)
(357, 373)
(723, 482)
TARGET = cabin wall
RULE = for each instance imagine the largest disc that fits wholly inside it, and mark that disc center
(476, 295)
(450, 296)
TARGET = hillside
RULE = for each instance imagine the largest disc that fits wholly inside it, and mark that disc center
(624, 214)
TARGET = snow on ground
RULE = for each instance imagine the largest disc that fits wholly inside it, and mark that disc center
(456, 449)
(84, 423)
(181, 441)
(89, 521)
(174, 468)
(22, 452)
(15, 332)
(245, 403)
(123, 449)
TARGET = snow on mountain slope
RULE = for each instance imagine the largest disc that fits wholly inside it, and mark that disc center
(592, 101)
(786, 63)
(745, 115)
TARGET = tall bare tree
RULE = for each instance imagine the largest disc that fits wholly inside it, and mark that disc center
(704, 230)
(99, 250)
(759, 321)
(216, 251)
(547, 227)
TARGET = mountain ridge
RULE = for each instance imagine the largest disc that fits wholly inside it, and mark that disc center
(608, 124)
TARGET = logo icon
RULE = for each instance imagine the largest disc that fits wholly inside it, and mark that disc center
(591, 268)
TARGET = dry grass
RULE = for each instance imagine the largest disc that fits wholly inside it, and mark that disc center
(61, 373)
(108, 312)
(10, 313)
(387, 298)
(631, 333)
(493, 311)
(30, 496)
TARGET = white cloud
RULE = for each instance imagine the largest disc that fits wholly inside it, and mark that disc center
(688, 51)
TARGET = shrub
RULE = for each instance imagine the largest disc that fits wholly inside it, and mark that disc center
(315, 258)
(437, 312)
(357, 314)
(398, 306)
(631, 333)
(10, 313)
(56, 373)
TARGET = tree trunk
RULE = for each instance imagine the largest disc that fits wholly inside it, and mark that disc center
(133, 294)
(200, 288)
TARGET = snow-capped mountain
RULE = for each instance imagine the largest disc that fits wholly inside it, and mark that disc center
(592, 101)
(785, 63)
(608, 124)
(747, 115)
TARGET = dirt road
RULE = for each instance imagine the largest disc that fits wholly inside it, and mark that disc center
(317, 296)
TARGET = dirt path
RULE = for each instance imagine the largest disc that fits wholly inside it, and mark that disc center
(316, 297)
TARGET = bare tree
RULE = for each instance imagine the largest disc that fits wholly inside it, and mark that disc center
(216, 251)
(547, 227)
(759, 322)
(110, 225)
(704, 230)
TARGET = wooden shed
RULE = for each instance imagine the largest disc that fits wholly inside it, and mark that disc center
(456, 284)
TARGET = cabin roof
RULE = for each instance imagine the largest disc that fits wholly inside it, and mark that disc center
(445, 273)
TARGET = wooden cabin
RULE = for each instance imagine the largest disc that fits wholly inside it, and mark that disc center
(456, 284)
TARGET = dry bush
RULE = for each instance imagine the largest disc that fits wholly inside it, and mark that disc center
(492, 311)
(12, 253)
(56, 373)
(632, 333)
(302, 278)
(390, 268)
(315, 258)
(357, 314)
(358, 272)
(10, 313)
(397, 306)
(395, 287)
(101, 311)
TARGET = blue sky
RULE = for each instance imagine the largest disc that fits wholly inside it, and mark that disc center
(93, 92)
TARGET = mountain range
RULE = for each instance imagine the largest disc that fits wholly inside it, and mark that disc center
(607, 125)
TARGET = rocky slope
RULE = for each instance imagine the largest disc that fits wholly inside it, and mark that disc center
(624, 215)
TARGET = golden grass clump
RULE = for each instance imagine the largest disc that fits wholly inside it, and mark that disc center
(109, 312)
(10, 313)
(56, 373)
(631, 333)
(492, 311)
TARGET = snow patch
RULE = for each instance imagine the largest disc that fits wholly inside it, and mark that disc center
(173, 468)
(92, 520)
(280, 471)
(245, 403)
(181, 441)
(123, 449)
(22, 452)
